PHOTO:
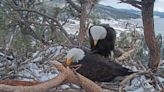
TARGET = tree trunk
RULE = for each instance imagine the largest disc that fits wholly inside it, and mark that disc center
(148, 22)
(83, 17)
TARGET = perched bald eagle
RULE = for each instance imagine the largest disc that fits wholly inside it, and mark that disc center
(95, 66)
(102, 39)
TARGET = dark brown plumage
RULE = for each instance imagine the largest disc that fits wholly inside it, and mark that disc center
(98, 68)
(106, 45)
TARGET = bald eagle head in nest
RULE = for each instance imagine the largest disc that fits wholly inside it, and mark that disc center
(94, 66)
(74, 55)
(98, 33)
(102, 39)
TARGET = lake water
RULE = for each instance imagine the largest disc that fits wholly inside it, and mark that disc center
(158, 23)
(159, 28)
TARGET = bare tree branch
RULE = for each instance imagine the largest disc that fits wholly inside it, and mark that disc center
(36, 23)
(43, 87)
(87, 84)
(18, 83)
(122, 83)
(66, 75)
(126, 54)
(55, 20)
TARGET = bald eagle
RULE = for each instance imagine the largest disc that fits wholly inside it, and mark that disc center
(94, 66)
(102, 39)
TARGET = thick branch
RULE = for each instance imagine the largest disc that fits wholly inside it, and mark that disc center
(83, 17)
(149, 34)
(87, 84)
(43, 87)
(66, 75)
(18, 83)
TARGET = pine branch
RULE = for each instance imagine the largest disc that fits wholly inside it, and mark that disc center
(49, 17)
(76, 7)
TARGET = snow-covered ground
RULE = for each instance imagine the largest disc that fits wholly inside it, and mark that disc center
(72, 26)
(43, 72)
(32, 70)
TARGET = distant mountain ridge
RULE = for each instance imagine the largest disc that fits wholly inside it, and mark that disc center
(111, 12)
(156, 13)
(108, 12)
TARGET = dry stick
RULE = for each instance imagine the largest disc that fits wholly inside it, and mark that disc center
(81, 87)
(122, 83)
(140, 63)
(109, 86)
(18, 83)
(69, 90)
(43, 87)
(87, 84)
(66, 75)
(125, 55)
(156, 81)
(150, 72)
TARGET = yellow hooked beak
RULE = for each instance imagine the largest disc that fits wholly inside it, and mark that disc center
(94, 42)
(69, 62)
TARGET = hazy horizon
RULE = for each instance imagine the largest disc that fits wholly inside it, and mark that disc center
(114, 3)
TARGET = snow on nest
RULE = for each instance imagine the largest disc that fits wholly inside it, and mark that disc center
(139, 84)
(162, 64)
(38, 56)
(37, 73)
(161, 79)
(138, 90)
(120, 29)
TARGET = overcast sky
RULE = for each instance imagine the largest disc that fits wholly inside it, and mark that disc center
(159, 4)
